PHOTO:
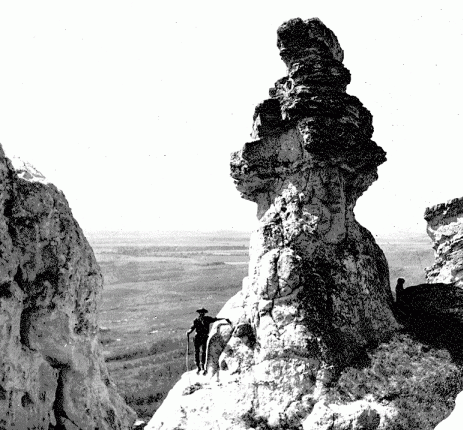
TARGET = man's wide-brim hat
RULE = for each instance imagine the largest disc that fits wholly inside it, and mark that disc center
(202, 311)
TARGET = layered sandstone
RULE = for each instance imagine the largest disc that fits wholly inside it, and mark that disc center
(52, 375)
(445, 228)
(318, 287)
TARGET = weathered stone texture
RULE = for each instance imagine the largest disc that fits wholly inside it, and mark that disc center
(445, 228)
(365, 414)
(52, 374)
(318, 289)
(445, 302)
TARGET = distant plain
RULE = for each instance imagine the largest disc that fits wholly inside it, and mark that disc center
(154, 284)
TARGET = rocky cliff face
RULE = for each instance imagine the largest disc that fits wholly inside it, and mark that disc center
(52, 375)
(445, 228)
(318, 287)
(436, 308)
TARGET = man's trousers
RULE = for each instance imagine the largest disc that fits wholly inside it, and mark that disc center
(200, 343)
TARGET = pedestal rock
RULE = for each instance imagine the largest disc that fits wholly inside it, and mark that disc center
(318, 288)
(52, 375)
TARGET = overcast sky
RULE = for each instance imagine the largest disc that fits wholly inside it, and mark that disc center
(133, 108)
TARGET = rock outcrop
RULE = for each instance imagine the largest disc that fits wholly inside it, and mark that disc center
(442, 306)
(52, 375)
(318, 288)
(445, 228)
(434, 311)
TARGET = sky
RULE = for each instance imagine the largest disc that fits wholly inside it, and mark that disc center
(132, 108)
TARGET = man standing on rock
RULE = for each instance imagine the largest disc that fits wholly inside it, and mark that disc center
(201, 325)
(399, 289)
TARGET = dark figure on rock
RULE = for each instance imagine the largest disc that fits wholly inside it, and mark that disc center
(399, 289)
(201, 325)
(400, 308)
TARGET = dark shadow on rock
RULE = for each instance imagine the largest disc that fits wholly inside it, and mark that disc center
(433, 314)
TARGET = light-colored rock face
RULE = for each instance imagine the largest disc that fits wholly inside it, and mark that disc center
(362, 415)
(445, 228)
(318, 286)
(52, 374)
(27, 171)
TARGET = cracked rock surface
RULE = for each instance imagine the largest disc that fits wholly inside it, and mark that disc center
(318, 288)
(52, 374)
(445, 228)
(445, 276)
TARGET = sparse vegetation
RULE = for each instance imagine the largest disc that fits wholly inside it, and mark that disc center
(144, 378)
(420, 381)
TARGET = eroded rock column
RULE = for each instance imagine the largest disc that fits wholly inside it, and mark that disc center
(318, 283)
(318, 287)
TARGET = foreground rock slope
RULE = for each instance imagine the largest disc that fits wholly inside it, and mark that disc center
(318, 288)
(52, 375)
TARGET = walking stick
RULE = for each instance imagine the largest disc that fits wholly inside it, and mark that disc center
(187, 352)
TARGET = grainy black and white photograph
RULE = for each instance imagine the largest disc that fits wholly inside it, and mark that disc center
(237, 215)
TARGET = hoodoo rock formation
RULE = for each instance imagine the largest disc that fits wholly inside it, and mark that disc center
(318, 288)
(52, 375)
